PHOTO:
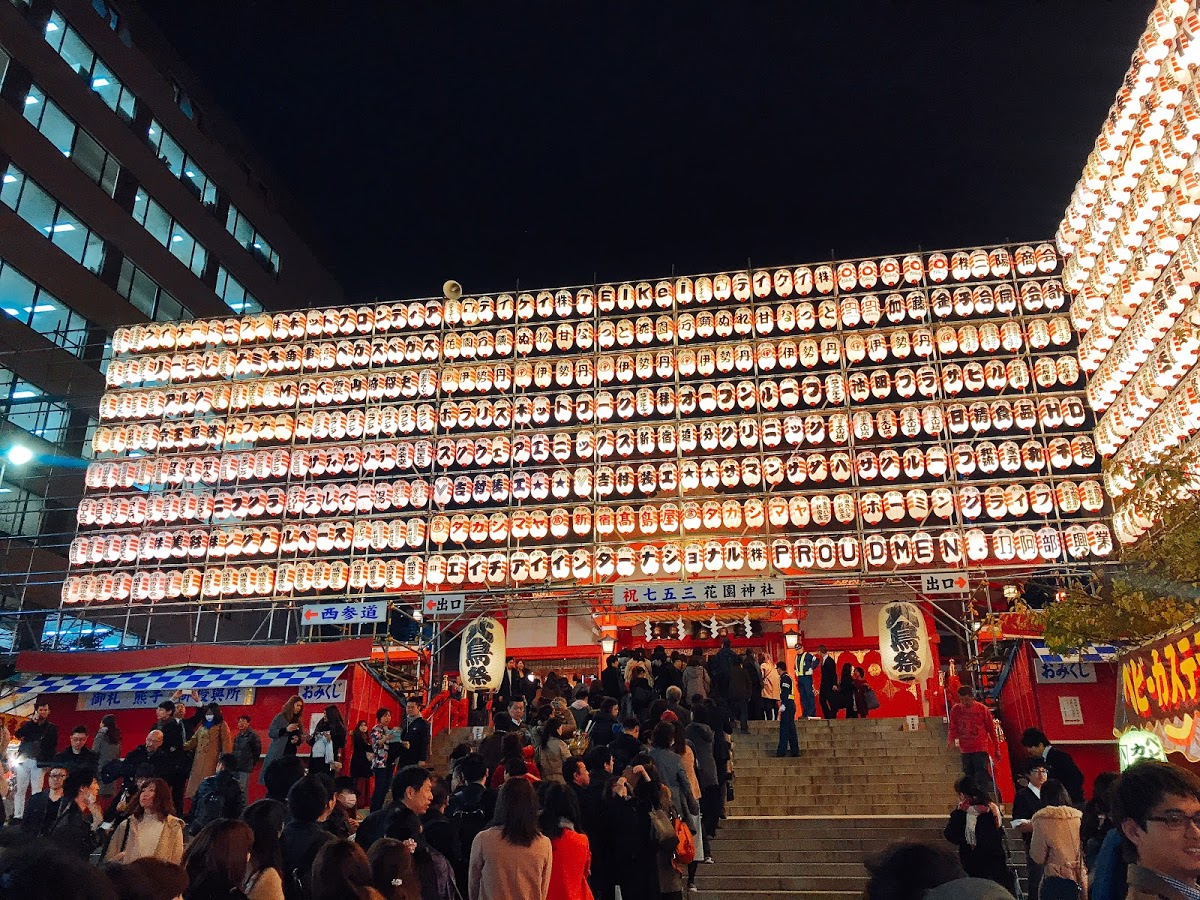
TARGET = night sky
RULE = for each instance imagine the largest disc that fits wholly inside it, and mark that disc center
(572, 143)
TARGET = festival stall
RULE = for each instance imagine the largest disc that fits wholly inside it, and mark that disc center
(82, 688)
(1157, 698)
(1069, 697)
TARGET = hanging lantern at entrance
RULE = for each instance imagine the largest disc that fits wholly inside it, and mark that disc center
(904, 642)
(481, 657)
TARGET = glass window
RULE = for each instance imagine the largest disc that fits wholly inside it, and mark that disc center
(247, 235)
(148, 213)
(143, 292)
(72, 141)
(79, 56)
(21, 512)
(181, 165)
(4, 60)
(107, 13)
(35, 307)
(57, 222)
(235, 296)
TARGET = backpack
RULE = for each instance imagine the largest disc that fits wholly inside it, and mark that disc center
(468, 822)
(685, 852)
(214, 802)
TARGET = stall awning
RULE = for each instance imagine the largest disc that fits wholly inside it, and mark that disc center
(190, 678)
(1103, 653)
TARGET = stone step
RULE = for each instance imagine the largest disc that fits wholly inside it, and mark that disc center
(764, 869)
(778, 883)
(792, 857)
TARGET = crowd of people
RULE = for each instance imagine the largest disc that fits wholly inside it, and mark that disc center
(1136, 838)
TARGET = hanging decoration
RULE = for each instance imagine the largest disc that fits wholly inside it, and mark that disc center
(904, 642)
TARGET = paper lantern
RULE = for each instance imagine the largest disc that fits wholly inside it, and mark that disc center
(904, 642)
(481, 656)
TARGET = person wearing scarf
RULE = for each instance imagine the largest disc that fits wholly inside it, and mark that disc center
(975, 826)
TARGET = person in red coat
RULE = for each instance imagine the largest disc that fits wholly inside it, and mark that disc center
(572, 856)
(973, 733)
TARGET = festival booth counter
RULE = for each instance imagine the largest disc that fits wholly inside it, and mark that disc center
(251, 680)
(1158, 698)
(1067, 697)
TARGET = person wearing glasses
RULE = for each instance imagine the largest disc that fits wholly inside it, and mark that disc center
(43, 807)
(1156, 808)
(1055, 845)
(1027, 802)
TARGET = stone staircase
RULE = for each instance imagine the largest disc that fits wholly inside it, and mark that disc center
(803, 827)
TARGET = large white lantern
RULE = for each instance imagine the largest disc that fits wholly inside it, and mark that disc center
(904, 642)
(481, 657)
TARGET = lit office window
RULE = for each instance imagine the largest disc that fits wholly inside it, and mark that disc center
(235, 296)
(182, 166)
(156, 220)
(51, 218)
(247, 235)
(72, 141)
(79, 56)
(32, 305)
(26, 406)
(184, 101)
(144, 292)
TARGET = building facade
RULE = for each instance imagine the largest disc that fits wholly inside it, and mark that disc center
(127, 197)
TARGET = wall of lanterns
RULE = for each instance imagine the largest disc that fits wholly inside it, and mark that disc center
(867, 416)
(1132, 261)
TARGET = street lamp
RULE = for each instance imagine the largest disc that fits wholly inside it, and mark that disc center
(791, 639)
(607, 643)
(17, 455)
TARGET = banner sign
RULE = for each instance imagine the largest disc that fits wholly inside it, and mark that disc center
(323, 693)
(725, 590)
(1064, 672)
(1160, 691)
(104, 700)
(344, 613)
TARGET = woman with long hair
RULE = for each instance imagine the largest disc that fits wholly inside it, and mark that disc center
(216, 861)
(636, 822)
(328, 742)
(514, 745)
(512, 860)
(284, 732)
(107, 747)
(151, 830)
(341, 872)
(393, 870)
(571, 863)
(552, 751)
(210, 742)
(264, 872)
(976, 827)
(861, 688)
(1056, 845)
(845, 691)
(360, 763)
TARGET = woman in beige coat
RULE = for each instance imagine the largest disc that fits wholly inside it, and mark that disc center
(212, 738)
(152, 829)
(1056, 844)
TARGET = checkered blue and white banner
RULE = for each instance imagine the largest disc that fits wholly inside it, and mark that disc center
(186, 679)
(1103, 653)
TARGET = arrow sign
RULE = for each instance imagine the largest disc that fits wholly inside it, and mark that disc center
(344, 613)
(940, 584)
(439, 605)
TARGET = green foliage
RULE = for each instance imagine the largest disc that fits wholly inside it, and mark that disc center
(1156, 585)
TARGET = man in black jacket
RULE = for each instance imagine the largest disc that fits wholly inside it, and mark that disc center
(612, 680)
(309, 805)
(1028, 801)
(1061, 765)
(219, 796)
(829, 676)
(510, 687)
(42, 810)
(414, 737)
(626, 745)
(470, 809)
(513, 719)
(38, 740)
(77, 756)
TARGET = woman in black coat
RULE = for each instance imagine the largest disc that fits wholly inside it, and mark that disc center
(360, 763)
(975, 826)
(333, 730)
(845, 692)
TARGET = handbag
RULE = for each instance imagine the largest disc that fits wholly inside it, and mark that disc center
(685, 850)
(872, 699)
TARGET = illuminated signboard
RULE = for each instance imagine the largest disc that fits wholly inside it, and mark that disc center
(855, 417)
(1160, 691)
